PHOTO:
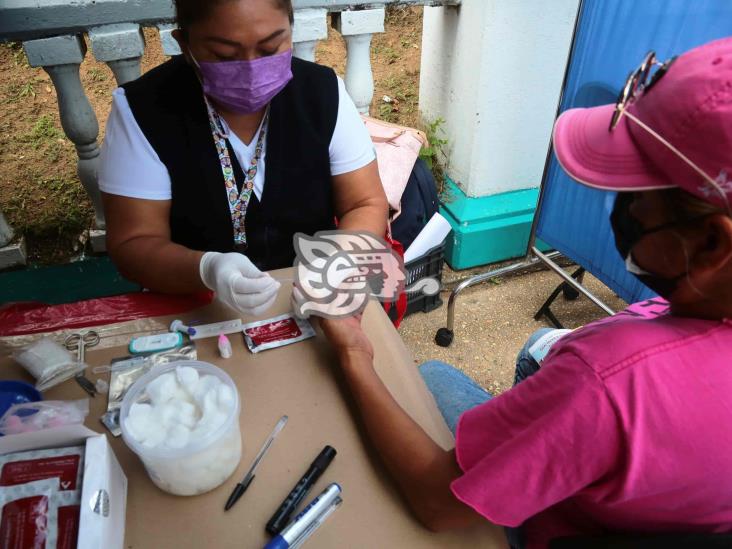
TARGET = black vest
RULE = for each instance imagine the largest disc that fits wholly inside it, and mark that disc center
(168, 105)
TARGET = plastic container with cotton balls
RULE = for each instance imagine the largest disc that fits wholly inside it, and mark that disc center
(182, 420)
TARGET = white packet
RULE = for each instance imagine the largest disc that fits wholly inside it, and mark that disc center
(544, 344)
(48, 362)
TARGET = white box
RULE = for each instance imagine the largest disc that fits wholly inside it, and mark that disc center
(104, 485)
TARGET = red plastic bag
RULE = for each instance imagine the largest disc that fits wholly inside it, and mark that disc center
(32, 318)
(401, 302)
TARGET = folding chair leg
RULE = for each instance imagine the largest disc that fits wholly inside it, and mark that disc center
(444, 336)
(546, 311)
(569, 293)
(546, 259)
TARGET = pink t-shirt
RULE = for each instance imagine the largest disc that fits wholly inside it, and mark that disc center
(627, 427)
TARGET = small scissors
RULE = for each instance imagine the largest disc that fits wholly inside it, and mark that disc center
(79, 342)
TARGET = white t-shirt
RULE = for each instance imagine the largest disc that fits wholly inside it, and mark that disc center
(130, 167)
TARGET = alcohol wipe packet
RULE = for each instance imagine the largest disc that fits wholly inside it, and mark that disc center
(64, 467)
(29, 515)
(276, 332)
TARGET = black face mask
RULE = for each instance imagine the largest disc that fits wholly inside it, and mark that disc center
(628, 232)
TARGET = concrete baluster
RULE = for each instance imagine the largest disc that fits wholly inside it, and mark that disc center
(60, 57)
(11, 255)
(357, 27)
(121, 47)
(311, 25)
(170, 46)
(6, 231)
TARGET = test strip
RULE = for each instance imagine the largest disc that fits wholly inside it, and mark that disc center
(217, 328)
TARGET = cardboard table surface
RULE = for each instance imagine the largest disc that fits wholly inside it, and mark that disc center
(299, 380)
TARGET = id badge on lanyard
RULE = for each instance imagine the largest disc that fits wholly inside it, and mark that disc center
(238, 201)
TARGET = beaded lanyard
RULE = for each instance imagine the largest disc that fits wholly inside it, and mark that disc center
(238, 202)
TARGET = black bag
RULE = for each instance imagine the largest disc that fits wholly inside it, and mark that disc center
(419, 204)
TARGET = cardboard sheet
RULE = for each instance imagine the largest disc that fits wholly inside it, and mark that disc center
(301, 381)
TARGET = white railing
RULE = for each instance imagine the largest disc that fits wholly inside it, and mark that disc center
(52, 35)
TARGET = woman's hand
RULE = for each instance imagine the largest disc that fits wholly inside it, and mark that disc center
(344, 333)
(347, 336)
(238, 283)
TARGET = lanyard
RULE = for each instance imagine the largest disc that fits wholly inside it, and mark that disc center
(238, 202)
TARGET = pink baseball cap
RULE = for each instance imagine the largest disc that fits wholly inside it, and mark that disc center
(690, 107)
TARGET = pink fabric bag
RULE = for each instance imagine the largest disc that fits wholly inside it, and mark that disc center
(397, 149)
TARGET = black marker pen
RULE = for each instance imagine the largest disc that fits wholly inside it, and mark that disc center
(279, 520)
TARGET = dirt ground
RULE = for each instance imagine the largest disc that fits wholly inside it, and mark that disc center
(40, 193)
(395, 59)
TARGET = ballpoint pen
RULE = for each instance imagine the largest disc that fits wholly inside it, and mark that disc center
(249, 477)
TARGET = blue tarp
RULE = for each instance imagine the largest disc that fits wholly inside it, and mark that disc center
(612, 38)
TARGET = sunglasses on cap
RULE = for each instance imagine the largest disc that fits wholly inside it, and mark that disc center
(639, 83)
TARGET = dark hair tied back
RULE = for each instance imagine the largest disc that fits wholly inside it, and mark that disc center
(192, 11)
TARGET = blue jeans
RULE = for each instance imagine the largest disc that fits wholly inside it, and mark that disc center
(456, 393)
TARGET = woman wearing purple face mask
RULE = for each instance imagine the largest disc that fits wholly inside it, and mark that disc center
(215, 159)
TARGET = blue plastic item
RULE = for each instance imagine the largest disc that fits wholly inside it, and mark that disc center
(611, 40)
(16, 392)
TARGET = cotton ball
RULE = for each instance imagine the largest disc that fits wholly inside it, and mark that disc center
(178, 437)
(216, 420)
(205, 426)
(187, 378)
(200, 430)
(155, 435)
(166, 414)
(134, 428)
(141, 410)
(186, 414)
(181, 395)
(225, 397)
(162, 388)
(203, 386)
(210, 402)
(138, 420)
(212, 415)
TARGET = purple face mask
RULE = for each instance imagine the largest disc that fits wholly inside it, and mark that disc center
(246, 86)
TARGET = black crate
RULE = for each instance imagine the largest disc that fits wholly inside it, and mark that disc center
(429, 265)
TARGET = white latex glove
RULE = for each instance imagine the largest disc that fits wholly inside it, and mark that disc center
(238, 283)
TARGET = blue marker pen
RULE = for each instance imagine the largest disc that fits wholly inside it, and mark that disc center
(317, 523)
(305, 519)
